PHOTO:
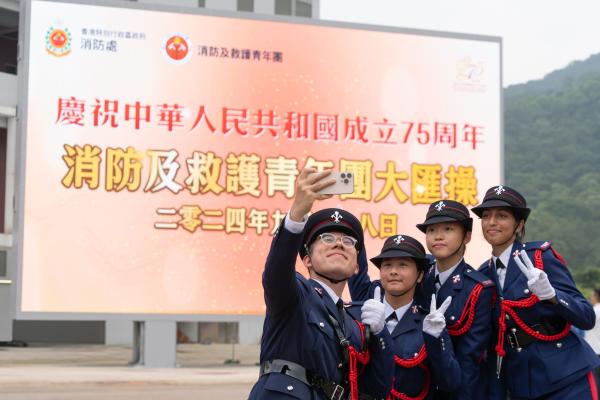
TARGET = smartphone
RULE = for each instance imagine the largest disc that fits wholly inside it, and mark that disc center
(344, 183)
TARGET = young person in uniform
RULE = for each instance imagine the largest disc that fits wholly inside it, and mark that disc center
(313, 345)
(538, 356)
(447, 229)
(421, 345)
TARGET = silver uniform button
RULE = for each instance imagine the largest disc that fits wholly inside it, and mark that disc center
(559, 345)
(322, 325)
(452, 318)
(526, 291)
(290, 388)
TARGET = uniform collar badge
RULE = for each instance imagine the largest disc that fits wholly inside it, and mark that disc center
(456, 279)
(517, 253)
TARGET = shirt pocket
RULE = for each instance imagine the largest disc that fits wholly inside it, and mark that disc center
(562, 358)
(320, 323)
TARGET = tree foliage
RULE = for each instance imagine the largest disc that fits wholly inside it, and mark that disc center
(552, 156)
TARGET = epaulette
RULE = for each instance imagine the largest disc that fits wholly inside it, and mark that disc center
(354, 303)
(485, 264)
(537, 245)
(479, 277)
(430, 259)
(353, 308)
(543, 246)
(431, 269)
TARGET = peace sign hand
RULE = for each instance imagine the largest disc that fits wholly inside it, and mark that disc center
(373, 312)
(537, 280)
(435, 322)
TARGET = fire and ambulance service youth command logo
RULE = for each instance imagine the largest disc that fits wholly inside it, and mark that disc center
(58, 41)
(177, 48)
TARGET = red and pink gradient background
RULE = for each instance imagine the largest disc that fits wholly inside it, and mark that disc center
(92, 251)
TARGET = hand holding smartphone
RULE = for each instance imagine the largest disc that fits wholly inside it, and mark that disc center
(344, 183)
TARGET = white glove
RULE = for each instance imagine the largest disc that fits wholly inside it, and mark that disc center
(373, 312)
(435, 322)
(537, 280)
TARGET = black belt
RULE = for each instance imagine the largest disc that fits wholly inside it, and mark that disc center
(331, 389)
(517, 339)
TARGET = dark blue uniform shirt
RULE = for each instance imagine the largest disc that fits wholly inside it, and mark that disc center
(470, 347)
(297, 328)
(440, 366)
(543, 366)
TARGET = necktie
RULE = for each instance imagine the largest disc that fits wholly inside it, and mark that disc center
(500, 272)
(340, 308)
(391, 321)
(499, 264)
(438, 285)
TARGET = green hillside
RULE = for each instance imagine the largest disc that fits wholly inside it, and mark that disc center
(552, 155)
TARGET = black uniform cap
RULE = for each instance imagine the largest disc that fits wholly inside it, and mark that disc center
(402, 246)
(503, 196)
(331, 220)
(447, 211)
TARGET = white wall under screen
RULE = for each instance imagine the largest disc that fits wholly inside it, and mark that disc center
(161, 148)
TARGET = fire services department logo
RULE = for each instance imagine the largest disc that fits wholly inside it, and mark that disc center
(58, 41)
(177, 48)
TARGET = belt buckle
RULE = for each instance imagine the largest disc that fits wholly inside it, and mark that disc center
(512, 340)
(338, 392)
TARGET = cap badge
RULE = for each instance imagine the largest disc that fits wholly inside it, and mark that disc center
(440, 206)
(337, 217)
(398, 239)
(499, 190)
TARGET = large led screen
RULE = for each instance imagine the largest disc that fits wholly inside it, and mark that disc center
(161, 148)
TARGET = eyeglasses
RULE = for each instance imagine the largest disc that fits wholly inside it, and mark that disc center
(330, 238)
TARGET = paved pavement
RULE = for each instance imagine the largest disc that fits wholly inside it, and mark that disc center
(94, 372)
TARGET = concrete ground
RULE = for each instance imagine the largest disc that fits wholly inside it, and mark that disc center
(94, 372)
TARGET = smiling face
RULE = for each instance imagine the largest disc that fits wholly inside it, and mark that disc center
(333, 260)
(500, 228)
(399, 276)
(445, 240)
